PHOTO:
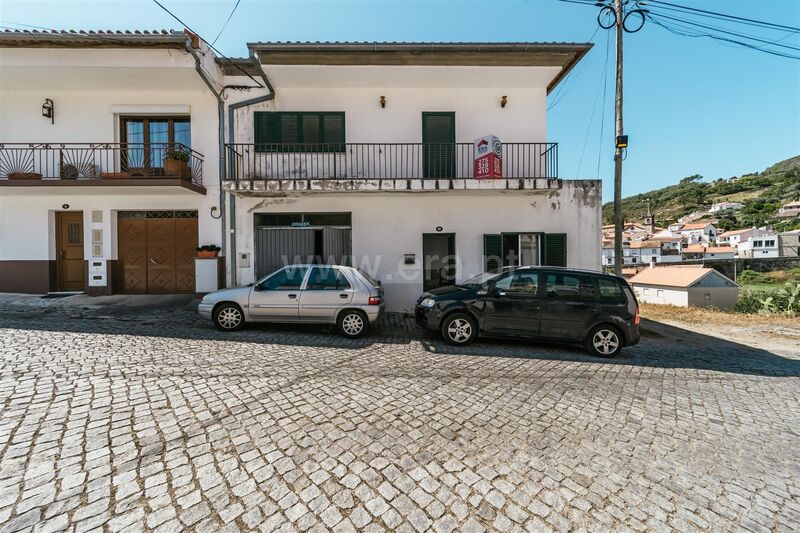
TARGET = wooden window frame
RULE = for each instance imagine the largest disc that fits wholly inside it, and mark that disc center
(300, 144)
(170, 119)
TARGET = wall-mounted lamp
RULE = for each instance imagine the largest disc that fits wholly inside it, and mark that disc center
(49, 110)
(503, 101)
(383, 101)
(214, 210)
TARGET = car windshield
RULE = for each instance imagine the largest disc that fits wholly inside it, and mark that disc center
(480, 279)
(375, 283)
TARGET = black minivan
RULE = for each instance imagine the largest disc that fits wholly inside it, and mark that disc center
(584, 307)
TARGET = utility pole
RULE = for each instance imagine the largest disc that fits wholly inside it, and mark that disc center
(618, 222)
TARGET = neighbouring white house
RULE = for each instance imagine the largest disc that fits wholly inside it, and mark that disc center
(790, 210)
(695, 252)
(696, 232)
(725, 206)
(367, 153)
(762, 246)
(89, 200)
(685, 286)
(734, 237)
(789, 243)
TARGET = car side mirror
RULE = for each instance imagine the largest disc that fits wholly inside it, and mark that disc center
(491, 288)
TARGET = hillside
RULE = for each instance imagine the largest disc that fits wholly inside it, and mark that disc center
(761, 193)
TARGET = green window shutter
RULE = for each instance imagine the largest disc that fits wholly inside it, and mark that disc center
(555, 249)
(333, 130)
(265, 130)
(492, 252)
(312, 132)
(289, 128)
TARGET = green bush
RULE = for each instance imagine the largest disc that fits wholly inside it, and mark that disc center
(750, 277)
(783, 301)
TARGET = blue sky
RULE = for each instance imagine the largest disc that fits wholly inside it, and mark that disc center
(692, 105)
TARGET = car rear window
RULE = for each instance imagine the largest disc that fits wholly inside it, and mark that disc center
(369, 278)
(609, 291)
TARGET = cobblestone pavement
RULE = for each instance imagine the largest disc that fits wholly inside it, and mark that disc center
(143, 417)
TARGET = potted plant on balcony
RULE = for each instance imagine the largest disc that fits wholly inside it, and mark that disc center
(176, 163)
(208, 251)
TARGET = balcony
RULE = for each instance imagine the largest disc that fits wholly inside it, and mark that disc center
(99, 164)
(345, 167)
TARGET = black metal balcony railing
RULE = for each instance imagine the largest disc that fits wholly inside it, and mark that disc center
(382, 161)
(89, 161)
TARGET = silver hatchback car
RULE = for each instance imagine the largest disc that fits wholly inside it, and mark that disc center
(313, 294)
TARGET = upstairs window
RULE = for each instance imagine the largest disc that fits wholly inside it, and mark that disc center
(294, 131)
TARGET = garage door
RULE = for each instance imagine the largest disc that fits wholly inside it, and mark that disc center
(157, 251)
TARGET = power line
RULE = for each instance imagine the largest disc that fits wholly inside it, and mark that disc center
(683, 31)
(603, 116)
(226, 58)
(735, 34)
(226, 22)
(732, 17)
(564, 88)
(594, 106)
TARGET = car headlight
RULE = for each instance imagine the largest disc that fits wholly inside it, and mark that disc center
(428, 302)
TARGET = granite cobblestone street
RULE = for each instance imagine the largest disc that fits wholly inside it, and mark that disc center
(144, 417)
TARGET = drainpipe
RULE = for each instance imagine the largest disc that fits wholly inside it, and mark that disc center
(231, 137)
(221, 138)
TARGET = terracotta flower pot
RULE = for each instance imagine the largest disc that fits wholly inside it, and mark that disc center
(207, 254)
(176, 168)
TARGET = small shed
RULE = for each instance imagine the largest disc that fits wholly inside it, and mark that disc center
(685, 286)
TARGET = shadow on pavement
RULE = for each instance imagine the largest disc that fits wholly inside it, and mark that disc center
(662, 346)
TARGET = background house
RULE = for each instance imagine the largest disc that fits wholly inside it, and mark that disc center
(762, 246)
(685, 286)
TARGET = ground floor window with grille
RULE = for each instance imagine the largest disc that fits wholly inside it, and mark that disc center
(524, 249)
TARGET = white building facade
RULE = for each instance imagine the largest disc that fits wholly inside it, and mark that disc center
(366, 154)
(87, 200)
(354, 153)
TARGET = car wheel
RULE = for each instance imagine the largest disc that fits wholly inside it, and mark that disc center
(353, 324)
(229, 317)
(459, 329)
(604, 341)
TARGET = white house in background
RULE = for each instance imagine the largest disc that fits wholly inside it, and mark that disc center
(645, 252)
(685, 286)
(697, 232)
(609, 253)
(365, 153)
(790, 210)
(734, 237)
(759, 247)
(671, 248)
(789, 243)
(694, 252)
(87, 200)
(723, 206)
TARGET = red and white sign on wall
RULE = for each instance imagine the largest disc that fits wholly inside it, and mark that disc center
(488, 157)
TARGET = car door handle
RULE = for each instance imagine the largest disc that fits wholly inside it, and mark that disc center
(292, 296)
(343, 296)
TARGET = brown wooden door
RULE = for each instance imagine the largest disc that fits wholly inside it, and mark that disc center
(132, 243)
(69, 251)
(185, 252)
(157, 251)
(160, 255)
